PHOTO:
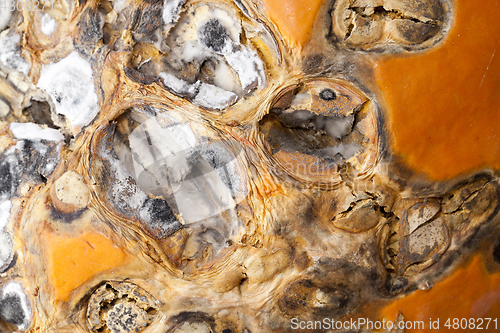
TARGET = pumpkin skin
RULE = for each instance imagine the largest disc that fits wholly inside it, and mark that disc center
(248, 166)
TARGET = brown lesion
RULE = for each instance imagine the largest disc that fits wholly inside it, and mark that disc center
(424, 231)
(379, 25)
(6, 327)
(361, 216)
(331, 287)
(120, 307)
(316, 128)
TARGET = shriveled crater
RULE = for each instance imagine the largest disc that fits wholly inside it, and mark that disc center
(389, 25)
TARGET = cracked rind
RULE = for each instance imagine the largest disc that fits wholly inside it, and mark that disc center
(389, 25)
(120, 307)
(421, 234)
(314, 137)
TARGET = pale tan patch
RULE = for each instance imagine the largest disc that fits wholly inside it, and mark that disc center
(70, 193)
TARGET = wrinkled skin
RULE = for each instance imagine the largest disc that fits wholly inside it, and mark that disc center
(275, 197)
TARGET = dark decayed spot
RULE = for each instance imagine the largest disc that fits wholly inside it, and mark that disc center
(30, 161)
(307, 132)
(417, 32)
(159, 210)
(395, 285)
(89, 31)
(151, 19)
(65, 217)
(12, 263)
(39, 112)
(496, 252)
(328, 95)
(214, 35)
(217, 159)
(313, 63)
(160, 218)
(7, 185)
(139, 77)
(36, 157)
(122, 316)
(190, 317)
(11, 310)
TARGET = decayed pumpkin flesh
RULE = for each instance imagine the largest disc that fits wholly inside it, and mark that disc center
(242, 170)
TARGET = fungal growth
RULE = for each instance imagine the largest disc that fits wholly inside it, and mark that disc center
(185, 166)
(202, 54)
(6, 252)
(5, 16)
(220, 68)
(315, 129)
(120, 308)
(70, 84)
(14, 306)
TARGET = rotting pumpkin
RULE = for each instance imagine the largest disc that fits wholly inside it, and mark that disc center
(227, 166)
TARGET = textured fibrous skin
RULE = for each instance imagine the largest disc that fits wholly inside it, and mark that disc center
(195, 169)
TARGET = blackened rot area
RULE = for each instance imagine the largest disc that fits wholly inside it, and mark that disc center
(11, 310)
(214, 35)
(328, 95)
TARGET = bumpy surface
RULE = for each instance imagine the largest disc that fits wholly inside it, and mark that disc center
(213, 166)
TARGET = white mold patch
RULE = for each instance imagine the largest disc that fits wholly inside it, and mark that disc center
(125, 194)
(5, 15)
(196, 173)
(5, 208)
(212, 97)
(248, 66)
(14, 306)
(31, 131)
(10, 52)
(27, 162)
(221, 35)
(345, 150)
(171, 9)
(48, 24)
(5, 250)
(173, 162)
(150, 144)
(119, 5)
(179, 86)
(205, 95)
(5, 238)
(70, 84)
(207, 38)
(135, 174)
